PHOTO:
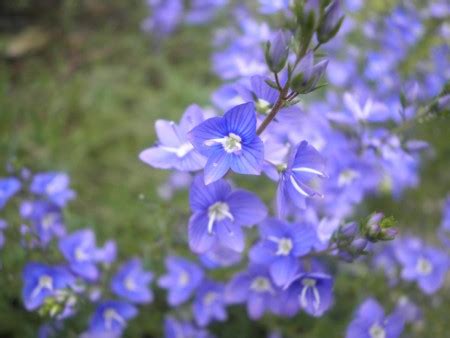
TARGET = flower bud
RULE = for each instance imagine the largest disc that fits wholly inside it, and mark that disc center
(277, 52)
(349, 230)
(307, 76)
(388, 234)
(330, 22)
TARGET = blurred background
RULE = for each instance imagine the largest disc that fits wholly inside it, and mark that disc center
(81, 86)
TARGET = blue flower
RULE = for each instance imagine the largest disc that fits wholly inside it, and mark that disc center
(370, 322)
(312, 292)
(444, 230)
(46, 219)
(174, 150)
(81, 252)
(131, 282)
(3, 226)
(229, 142)
(182, 279)
(9, 186)
(273, 6)
(254, 287)
(177, 329)
(209, 303)
(281, 245)
(219, 213)
(427, 266)
(53, 185)
(165, 18)
(41, 281)
(111, 317)
(305, 164)
(219, 257)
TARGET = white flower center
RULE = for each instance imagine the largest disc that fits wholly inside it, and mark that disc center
(424, 266)
(48, 220)
(45, 282)
(376, 331)
(217, 212)
(181, 151)
(81, 255)
(130, 285)
(309, 283)
(55, 185)
(111, 315)
(261, 284)
(346, 177)
(209, 298)
(230, 143)
(183, 279)
(285, 245)
(262, 106)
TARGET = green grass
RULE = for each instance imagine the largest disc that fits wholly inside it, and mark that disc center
(86, 105)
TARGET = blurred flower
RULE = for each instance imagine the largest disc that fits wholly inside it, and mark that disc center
(370, 321)
(131, 282)
(110, 318)
(182, 279)
(176, 329)
(209, 303)
(54, 186)
(80, 250)
(9, 186)
(41, 281)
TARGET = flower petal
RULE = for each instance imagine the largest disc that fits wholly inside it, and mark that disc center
(246, 208)
(217, 166)
(250, 160)
(241, 120)
(283, 270)
(230, 236)
(200, 240)
(212, 128)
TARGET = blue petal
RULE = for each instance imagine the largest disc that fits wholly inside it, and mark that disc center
(230, 236)
(263, 90)
(199, 239)
(250, 160)
(202, 196)
(241, 120)
(217, 166)
(212, 128)
(246, 208)
(263, 252)
(168, 133)
(158, 158)
(284, 270)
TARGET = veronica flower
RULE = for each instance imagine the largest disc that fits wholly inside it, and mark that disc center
(80, 250)
(444, 231)
(273, 6)
(182, 279)
(46, 219)
(425, 265)
(203, 11)
(174, 151)
(41, 281)
(165, 18)
(370, 322)
(254, 287)
(131, 282)
(305, 164)
(209, 303)
(219, 257)
(54, 186)
(280, 246)
(229, 142)
(177, 329)
(219, 213)
(111, 317)
(9, 186)
(314, 292)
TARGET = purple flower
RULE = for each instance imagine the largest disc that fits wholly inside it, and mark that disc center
(111, 317)
(255, 287)
(174, 151)
(444, 231)
(176, 329)
(219, 213)
(307, 75)
(166, 16)
(131, 282)
(277, 51)
(9, 186)
(41, 281)
(80, 250)
(209, 303)
(305, 164)
(46, 219)
(281, 245)
(229, 142)
(3, 226)
(425, 265)
(273, 6)
(182, 279)
(53, 185)
(370, 322)
(220, 256)
(313, 292)
(203, 11)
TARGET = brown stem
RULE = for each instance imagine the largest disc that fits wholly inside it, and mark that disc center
(275, 109)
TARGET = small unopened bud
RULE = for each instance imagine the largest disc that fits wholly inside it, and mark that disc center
(388, 234)
(307, 76)
(331, 22)
(349, 230)
(277, 52)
